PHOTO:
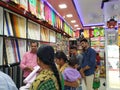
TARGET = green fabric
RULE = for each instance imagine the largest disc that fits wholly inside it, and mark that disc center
(101, 31)
(66, 27)
(33, 2)
(53, 18)
(96, 83)
(38, 9)
(96, 32)
(47, 85)
(43, 79)
(62, 82)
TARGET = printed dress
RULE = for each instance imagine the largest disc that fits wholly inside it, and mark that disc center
(45, 81)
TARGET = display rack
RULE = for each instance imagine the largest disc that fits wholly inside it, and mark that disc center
(16, 34)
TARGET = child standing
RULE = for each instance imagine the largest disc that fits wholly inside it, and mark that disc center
(96, 80)
(71, 74)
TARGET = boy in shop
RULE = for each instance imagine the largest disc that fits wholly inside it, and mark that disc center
(71, 74)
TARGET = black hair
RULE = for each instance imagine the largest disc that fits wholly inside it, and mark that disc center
(73, 47)
(97, 53)
(46, 55)
(73, 61)
(33, 42)
(84, 40)
(61, 55)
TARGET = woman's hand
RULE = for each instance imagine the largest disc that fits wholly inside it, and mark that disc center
(72, 84)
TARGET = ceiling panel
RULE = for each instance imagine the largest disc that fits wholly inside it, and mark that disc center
(90, 11)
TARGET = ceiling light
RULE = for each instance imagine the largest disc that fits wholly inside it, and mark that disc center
(62, 6)
(76, 25)
(104, 26)
(78, 28)
(73, 21)
(93, 27)
(63, 16)
(69, 15)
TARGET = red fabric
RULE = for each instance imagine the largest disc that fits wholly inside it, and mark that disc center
(91, 33)
(98, 59)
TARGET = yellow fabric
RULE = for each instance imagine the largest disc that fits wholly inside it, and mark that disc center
(61, 69)
(86, 33)
(43, 76)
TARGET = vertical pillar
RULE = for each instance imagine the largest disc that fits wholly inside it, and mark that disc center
(111, 16)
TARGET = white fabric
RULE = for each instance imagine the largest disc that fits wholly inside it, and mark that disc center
(26, 87)
(89, 82)
(31, 77)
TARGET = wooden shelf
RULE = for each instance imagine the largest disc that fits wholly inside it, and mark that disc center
(12, 37)
(28, 15)
(10, 65)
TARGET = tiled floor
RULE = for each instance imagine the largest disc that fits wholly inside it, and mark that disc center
(102, 80)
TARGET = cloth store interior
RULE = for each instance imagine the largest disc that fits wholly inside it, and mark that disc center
(61, 24)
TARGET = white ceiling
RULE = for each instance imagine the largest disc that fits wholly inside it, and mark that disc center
(112, 9)
(90, 11)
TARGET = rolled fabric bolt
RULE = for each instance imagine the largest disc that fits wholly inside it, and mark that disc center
(31, 75)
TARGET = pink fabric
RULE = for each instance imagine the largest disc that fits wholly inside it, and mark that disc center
(29, 60)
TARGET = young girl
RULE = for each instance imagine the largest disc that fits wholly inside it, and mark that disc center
(62, 63)
(96, 80)
(71, 74)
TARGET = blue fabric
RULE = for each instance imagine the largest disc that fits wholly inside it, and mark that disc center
(80, 58)
(79, 88)
(72, 88)
(6, 82)
(69, 88)
(89, 58)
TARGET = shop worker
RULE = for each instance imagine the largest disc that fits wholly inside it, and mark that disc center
(29, 60)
